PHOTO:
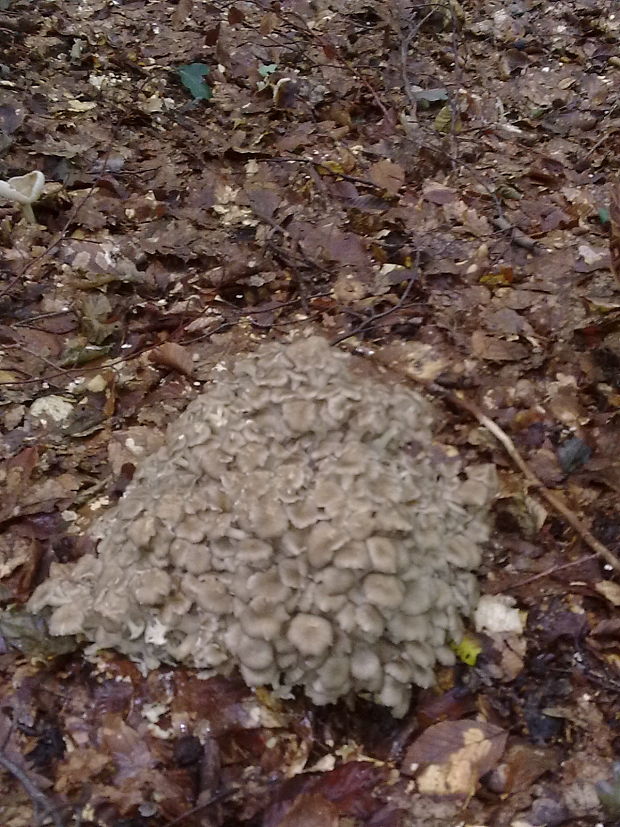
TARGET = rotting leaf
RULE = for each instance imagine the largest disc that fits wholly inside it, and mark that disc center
(28, 634)
(192, 77)
(450, 757)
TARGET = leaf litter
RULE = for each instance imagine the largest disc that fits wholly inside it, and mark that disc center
(435, 183)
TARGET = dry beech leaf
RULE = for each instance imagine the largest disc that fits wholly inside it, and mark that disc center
(450, 757)
(172, 355)
(387, 175)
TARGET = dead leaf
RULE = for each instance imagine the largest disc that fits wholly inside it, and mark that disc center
(387, 175)
(172, 355)
(497, 350)
(609, 590)
(311, 811)
(438, 193)
(453, 755)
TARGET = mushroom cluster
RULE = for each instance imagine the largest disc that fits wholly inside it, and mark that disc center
(298, 524)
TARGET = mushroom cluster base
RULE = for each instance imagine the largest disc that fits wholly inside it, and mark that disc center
(299, 524)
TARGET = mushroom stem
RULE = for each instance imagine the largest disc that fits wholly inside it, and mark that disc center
(28, 213)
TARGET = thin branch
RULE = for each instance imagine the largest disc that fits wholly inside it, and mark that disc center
(554, 501)
(43, 805)
(541, 575)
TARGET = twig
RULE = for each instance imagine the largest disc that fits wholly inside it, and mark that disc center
(554, 501)
(41, 802)
(546, 573)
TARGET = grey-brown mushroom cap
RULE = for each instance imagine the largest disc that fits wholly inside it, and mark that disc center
(295, 525)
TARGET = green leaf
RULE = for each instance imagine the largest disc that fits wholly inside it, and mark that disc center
(603, 215)
(192, 77)
(266, 69)
(468, 649)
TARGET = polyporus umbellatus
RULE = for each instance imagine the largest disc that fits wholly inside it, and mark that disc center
(297, 524)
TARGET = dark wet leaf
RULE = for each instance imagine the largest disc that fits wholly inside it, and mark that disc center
(50, 746)
(572, 454)
(28, 633)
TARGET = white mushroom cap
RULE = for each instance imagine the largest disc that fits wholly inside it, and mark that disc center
(23, 190)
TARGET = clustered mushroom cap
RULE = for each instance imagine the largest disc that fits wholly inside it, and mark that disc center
(298, 525)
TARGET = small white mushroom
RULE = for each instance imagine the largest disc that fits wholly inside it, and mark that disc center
(299, 415)
(196, 559)
(265, 623)
(208, 591)
(323, 540)
(142, 530)
(255, 653)
(333, 674)
(366, 667)
(370, 621)
(24, 190)
(383, 554)
(67, 620)
(383, 590)
(352, 556)
(151, 587)
(311, 634)
(191, 528)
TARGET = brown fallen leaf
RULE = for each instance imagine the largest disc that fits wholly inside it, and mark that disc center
(311, 811)
(450, 757)
(387, 175)
(495, 349)
(172, 355)
(609, 590)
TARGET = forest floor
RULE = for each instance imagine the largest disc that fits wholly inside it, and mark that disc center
(433, 181)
